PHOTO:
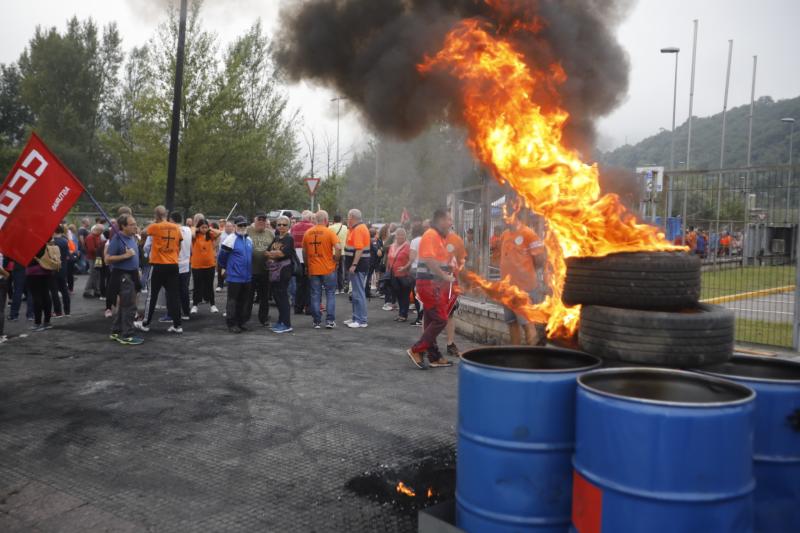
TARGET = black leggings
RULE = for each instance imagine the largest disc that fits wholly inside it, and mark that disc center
(280, 291)
(203, 285)
(40, 290)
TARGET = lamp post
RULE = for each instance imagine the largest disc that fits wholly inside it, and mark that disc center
(337, 100)
(796, 325)
(172, 162)
(672, 50)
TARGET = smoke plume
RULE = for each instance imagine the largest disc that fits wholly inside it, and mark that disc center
(368, 51)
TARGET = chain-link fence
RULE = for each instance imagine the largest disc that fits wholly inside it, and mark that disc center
(743, 223)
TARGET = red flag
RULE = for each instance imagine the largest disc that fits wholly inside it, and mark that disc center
(34, 199)
(405, 217)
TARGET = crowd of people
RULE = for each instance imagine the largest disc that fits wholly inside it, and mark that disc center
(182, 264)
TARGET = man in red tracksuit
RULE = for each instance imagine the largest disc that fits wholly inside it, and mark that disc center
(435, 288)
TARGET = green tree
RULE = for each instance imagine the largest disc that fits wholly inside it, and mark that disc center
(15, 116)
(68, 81)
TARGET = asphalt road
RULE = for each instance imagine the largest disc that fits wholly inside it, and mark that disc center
(210, 431)
(771, 308)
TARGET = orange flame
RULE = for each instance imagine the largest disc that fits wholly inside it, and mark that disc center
(430, 493)
(402, 488)
(520, 141)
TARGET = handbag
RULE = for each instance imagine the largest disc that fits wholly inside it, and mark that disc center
(275, 268)
(51, 258)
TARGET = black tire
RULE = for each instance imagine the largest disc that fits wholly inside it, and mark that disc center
(699, 336)
(642, 280)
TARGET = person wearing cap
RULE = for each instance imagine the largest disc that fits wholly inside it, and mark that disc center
(236, 260)
(262, 236)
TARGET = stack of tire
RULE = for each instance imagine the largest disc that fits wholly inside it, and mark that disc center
(643, 308)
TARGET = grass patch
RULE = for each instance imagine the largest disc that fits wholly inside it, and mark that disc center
(729, 281)
(761, 332)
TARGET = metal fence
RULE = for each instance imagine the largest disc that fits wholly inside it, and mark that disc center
(743, 223)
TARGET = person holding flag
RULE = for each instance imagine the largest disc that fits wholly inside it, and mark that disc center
(435, 288)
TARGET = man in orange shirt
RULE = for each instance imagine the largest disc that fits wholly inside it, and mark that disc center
(435, 288)
(357, 258)
(165, 240)
(322, 251)
(520, 248)
(457, 254)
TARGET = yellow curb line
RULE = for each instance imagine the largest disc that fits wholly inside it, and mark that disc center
(746, 295)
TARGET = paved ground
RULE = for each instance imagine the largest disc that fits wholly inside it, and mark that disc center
(209, 431)
(770, 308)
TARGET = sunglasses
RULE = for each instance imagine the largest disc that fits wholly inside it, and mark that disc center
(282, 225)
(241, 225)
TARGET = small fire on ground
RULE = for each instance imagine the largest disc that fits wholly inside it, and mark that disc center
(515, 123)
(402, 488)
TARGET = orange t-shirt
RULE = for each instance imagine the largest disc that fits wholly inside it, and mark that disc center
(358, 237)
(517, 249)
(433, 246)
(204, 252)
(455, 248)
(318, 245)
(166, 243)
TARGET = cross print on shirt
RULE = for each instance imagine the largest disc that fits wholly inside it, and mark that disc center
(168, 238)
(316, 244)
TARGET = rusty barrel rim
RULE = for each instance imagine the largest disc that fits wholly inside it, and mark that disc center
(709, 391)
(533, 359)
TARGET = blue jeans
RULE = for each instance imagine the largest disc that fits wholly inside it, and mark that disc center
(20, 288)
(329, 282)
(358, 279)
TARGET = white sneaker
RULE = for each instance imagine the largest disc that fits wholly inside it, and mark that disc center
(348, 322)
(218, 289)
(144, 291)
(140, 326)
(108, 313)
(214, 309)
(356, 325)
(173, 329)
(185, 318)
(388, 307)
(193, 310)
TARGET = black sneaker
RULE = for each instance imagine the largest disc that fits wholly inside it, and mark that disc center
(452, 350)
(317, 325)
(235, 329)
(417, 323)
(244, 328)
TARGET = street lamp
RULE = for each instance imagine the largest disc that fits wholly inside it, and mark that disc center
(672, 50)
(790, 122)
(337, 100)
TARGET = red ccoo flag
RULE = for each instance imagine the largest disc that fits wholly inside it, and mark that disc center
(34, 198)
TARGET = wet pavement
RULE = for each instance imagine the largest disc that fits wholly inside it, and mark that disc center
(210, 431)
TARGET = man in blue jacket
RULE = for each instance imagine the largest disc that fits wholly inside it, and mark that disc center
(236, 261)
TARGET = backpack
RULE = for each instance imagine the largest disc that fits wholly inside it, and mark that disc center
(51, 258)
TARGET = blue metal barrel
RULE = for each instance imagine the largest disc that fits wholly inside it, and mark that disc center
(662, 451)
(777, 437)
(516, 433)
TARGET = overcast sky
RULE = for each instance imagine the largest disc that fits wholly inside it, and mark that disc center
(767, 28)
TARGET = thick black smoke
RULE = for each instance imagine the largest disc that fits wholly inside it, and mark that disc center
(368, 51)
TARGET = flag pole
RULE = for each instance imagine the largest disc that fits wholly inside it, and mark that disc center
(232, 210)
(97, 205)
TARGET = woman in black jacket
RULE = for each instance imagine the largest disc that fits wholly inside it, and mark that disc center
(281, 256)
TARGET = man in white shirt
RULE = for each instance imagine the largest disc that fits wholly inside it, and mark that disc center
(184, 264)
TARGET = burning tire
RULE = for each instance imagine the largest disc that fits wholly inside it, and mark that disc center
(698, 336)
(642, 280)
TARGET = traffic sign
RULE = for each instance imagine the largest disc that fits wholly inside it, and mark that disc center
(312, 184)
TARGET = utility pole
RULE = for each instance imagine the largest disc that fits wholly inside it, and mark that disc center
(672, 50)
(746, 186)
(338, 99)
(172, 164)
